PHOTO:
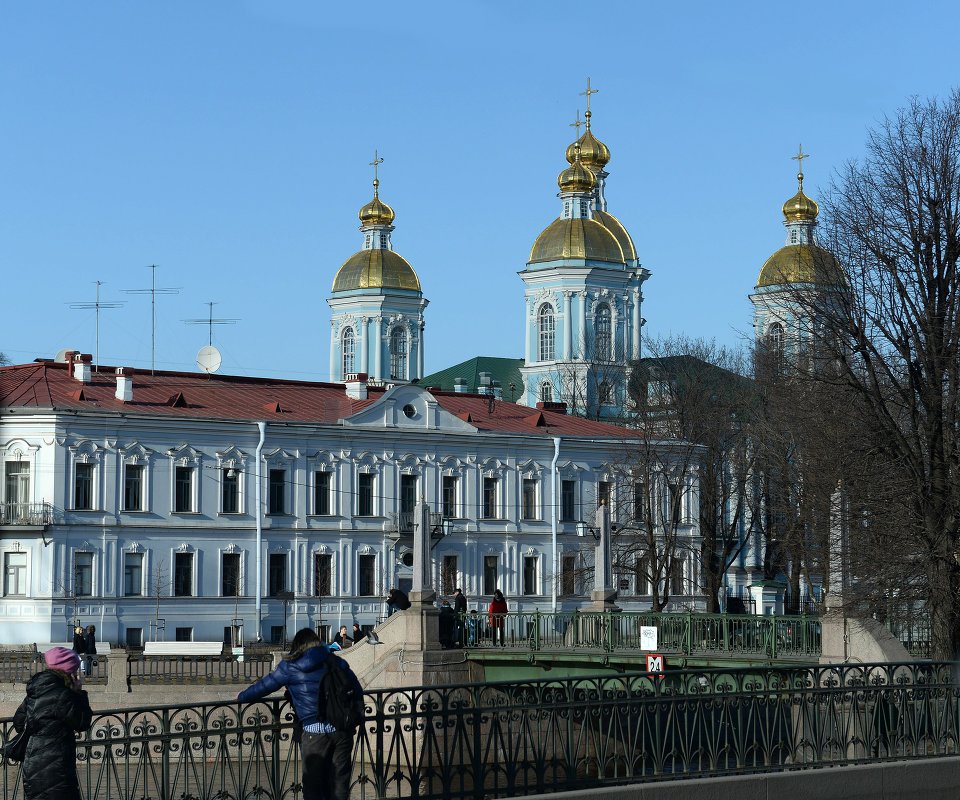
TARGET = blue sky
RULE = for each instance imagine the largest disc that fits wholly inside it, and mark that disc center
(228, 142)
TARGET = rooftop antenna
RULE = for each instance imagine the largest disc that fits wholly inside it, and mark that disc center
(210, 322)
(153, 291)
(97, 305)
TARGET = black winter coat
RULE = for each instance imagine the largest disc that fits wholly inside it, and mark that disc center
(55, 713)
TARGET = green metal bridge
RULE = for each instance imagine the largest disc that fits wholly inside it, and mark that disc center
(523, 645)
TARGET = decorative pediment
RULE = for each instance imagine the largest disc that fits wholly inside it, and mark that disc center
(531, 551)
(134, 453)
(408, 406)
(322, 549)
(231, 548)
(184, 547)
(451, 465)
(325, 461)
(232, 457)
(368, 462)
(278, 454)
(410, 465)
(86, 451)
(570, 470)
(135, 547)
(531, 468)
(365, 550)
(492, 467)
(184, 454)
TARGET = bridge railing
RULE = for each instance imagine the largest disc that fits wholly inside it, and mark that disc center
(549, 735)
(689, 634)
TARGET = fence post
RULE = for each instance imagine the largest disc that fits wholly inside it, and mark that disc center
(535, 639)
(688, 644)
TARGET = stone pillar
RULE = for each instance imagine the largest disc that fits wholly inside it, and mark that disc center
(422, 594)
(378, 353)
(364, 355)
(604, 594)
(567, 326)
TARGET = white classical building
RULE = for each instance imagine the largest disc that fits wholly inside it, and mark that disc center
(181, 505)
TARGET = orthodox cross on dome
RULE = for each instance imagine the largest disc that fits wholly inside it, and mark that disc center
(799, 159)
(377, 161)
(577, 124)
(587, 94)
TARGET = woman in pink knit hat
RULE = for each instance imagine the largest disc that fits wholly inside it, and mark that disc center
(56, 708)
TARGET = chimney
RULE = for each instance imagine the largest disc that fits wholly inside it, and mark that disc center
(459, 385)
(485, 384)
(356, 385)
(557, 407)
(81, 367)
(497, 390)
(124, 384)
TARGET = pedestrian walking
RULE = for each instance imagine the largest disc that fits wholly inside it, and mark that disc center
(89, 648)
(326, 753)
(460, 609)
(497, 613)
(80, 646)
(55, 709)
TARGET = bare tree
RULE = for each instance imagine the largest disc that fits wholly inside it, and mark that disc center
(890, 333)
(4, 360)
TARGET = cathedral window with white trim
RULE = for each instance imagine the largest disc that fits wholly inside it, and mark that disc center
(602, 333)
(546, 325)
(604, 393)
(546, 392)
(398, 354)
(349, 343)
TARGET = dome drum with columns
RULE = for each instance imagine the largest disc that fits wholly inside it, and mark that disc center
(377, 305)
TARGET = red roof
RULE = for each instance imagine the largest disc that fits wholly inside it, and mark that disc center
(193, 395)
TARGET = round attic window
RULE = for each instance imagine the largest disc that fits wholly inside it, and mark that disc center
(410, 411)
(407, 559)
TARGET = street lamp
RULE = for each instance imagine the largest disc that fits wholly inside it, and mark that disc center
(583, 529)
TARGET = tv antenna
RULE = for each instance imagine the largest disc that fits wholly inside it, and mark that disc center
(210, 322)
(153, 291)
(209, 359)
(97, 305)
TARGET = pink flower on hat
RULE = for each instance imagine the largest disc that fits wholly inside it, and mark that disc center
(62, 659)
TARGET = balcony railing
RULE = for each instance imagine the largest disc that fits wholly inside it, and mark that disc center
(33, 514)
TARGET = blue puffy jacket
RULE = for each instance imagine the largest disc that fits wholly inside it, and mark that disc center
(301, 677)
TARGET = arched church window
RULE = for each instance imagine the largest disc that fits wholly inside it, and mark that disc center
(546, 392)
(547, 328)
(349, 343)
(398, 354)
(775, 338)
(601, 332)
(603, 393)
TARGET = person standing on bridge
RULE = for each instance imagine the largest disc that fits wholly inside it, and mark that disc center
(56, 708)
(327, 753)
(497, 613)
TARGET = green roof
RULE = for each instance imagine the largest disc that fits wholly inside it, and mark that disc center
(502, 370)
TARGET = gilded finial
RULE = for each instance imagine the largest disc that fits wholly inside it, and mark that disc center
(577, 124)
(799, 159)
(587, 94)
(377, 161)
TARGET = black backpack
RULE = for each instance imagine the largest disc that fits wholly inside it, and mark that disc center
(341, 696)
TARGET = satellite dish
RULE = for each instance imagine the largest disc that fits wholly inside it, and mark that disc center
(61, 356)
(209, 358)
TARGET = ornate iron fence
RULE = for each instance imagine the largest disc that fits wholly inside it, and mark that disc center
(510, 739)
(18, 666)
(721, 635)
(152, 669)
(32, 514)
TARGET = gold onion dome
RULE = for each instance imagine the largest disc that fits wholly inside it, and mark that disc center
(800, 208)
(612, 224)
(576, 178)
(801, 263)
(377, 268)
(376, 212)
(577, 238)
(593, 152)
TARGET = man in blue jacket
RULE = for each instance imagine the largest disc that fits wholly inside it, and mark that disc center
(326, 753)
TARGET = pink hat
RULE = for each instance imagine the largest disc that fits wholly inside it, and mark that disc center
(62, 659)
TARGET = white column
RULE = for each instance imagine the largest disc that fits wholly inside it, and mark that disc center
(568, 326)
(583, 323)
(378, 353)
(636, 324)
(364, 325)
(420, 350)
(334, 372)
(531, 324)
(408, 334)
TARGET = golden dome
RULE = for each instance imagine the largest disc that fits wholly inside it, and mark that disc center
(593, 152)
(577, 238)
(576, 178)
(800, 208)
(376, 269)
(376, 212)
(801, 263)
(612, 224)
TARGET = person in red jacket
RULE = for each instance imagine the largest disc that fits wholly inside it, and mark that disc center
(497, 614)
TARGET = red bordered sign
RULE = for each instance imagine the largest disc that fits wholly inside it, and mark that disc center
(656, 664)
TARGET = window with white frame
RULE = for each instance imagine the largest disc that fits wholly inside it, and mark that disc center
(491, 573)
(277, 582)
(366, 575)
(16, 489)
(490, 505)
(529, 506)
(83, 574)
(277, 491)
(132, 574)
(676, 576)
(229, 490)
(530, 565)
(642, 575)
(602, 332)
(546, 392)
(183, 575)
(604, 489)
(365, 496)
(230, 581)
(15, 574)
(448, 575)
(604, 393)
(348, 341)
(449, 501)
(568, 573)
(568, 501)
(321, 493)
(183, 488)
(322, 573)
(83, 486)
(133, 487)
(398, 354)
(546, 326)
